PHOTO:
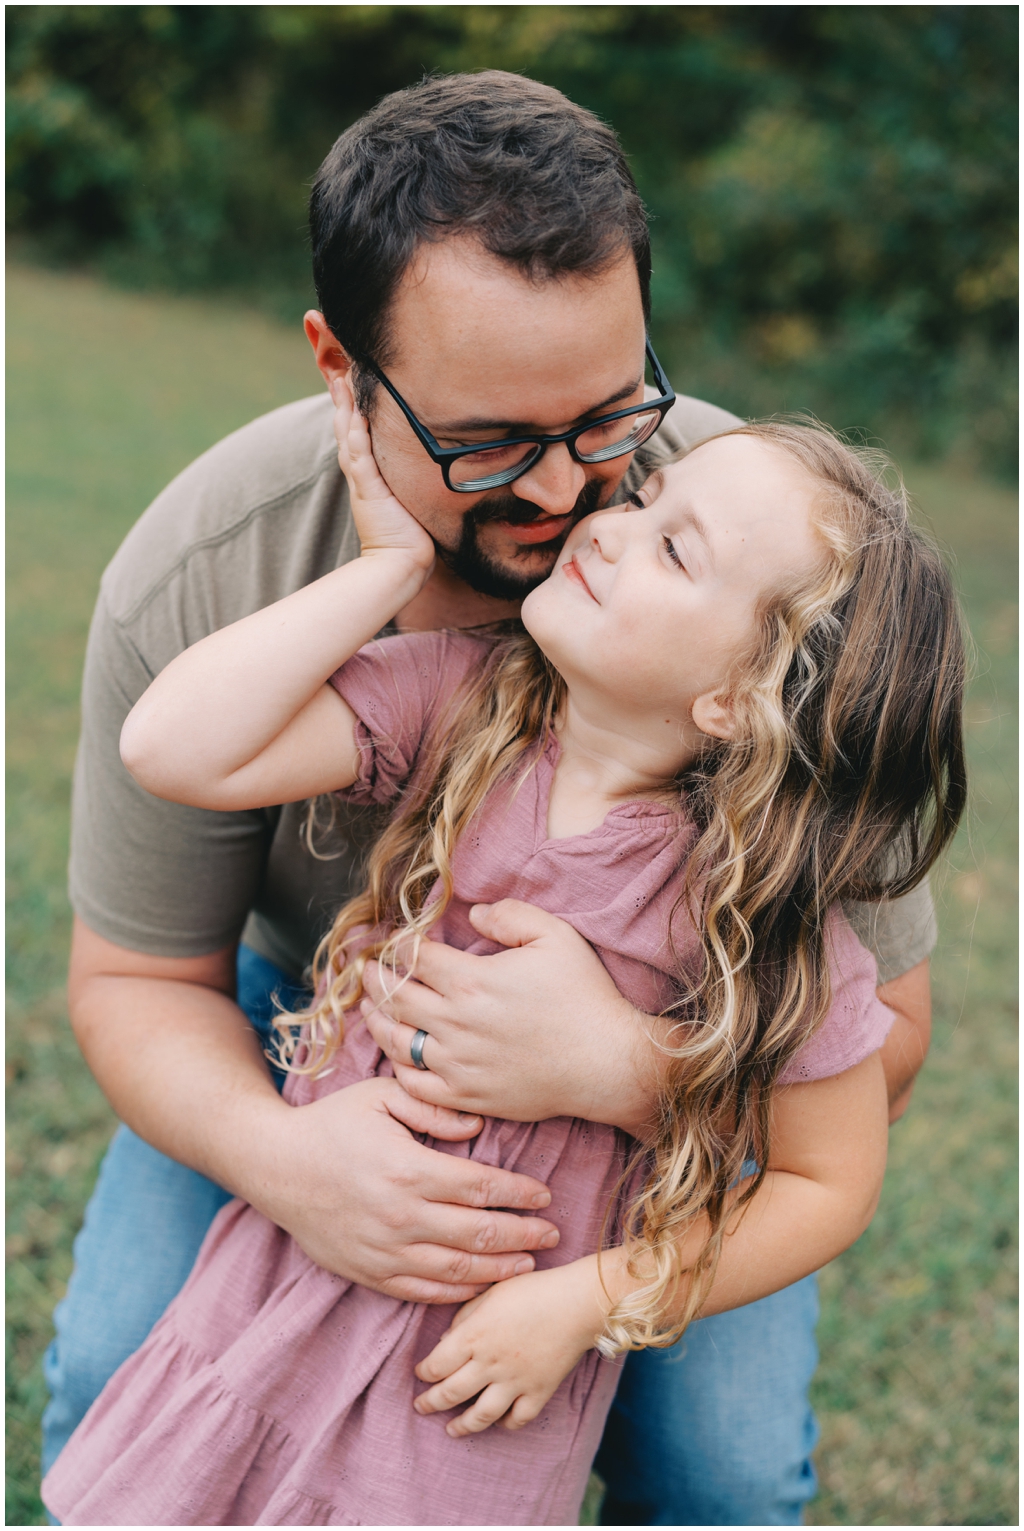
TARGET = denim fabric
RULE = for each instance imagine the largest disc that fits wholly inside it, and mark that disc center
(143, 1227)
(717, 1431)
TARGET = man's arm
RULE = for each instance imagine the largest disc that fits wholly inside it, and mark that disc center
(181, 1065)
(906, 1046)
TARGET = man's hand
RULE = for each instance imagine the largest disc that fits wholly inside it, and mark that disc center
(344, 1175)
(530, 1033)
(364, 1199)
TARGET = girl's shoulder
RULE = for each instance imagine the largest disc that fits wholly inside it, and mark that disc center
(400, 688)
(436, 652)
(429, 666)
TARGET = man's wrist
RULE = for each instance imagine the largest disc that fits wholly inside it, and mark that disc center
(250, 1152)
(636, 1082)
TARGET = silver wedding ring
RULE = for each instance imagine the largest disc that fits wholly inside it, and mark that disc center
(416, 1050)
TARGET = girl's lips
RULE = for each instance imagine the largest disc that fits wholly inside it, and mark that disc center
(572, 571)
(535, 531)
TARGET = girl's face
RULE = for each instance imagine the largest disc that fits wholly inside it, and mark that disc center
(651, 604)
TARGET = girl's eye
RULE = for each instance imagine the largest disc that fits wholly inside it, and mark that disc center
(634, 499)
(670, 550)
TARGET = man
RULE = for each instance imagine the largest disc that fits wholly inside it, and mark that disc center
(482, 264)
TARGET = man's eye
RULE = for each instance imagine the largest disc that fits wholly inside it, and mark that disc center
(670, 550)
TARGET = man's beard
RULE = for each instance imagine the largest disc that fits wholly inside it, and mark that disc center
(482, 573)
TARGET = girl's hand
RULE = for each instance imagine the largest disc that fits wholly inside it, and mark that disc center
(382, 523)
(513, 1346)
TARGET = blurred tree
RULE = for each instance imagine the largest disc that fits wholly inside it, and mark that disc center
(833, 187)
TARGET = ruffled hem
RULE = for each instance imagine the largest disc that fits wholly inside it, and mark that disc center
(245, 1468)
(243, 1471)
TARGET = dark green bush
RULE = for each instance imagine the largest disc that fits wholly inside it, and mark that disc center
(833, 187)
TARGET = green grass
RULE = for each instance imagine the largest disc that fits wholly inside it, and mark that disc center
(109, 395)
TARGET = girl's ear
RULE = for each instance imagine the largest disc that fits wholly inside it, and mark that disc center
(712, 712)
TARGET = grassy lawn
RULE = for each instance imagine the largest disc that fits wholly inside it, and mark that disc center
(109, 395)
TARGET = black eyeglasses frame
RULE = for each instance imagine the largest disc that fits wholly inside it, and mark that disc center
(446, 456)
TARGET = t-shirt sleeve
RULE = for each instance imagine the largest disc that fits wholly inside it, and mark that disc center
(900, 932)
(857, 1023)
(398, 689)
(149, 875)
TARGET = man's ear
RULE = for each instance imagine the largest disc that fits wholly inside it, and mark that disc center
(712, 712)
(331, 357)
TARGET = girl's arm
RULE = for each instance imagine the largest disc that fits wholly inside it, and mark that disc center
(516, 1343)
(245, 717)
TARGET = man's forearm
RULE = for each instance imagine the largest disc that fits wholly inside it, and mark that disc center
(906, 1047)
(181, 1065)
(343, 1175)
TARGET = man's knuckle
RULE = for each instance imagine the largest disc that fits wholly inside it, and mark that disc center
(487, 1236)
(484, 1192)
(398, 1287)
(406, 1179)
(391, 1217)
(460, 1266)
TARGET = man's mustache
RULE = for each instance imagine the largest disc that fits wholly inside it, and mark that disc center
(518, 512)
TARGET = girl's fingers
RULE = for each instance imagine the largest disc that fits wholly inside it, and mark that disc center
(465, 1312)
(447, 1356)
(522, 1412)
(452, 1350)
(355, 450)
(462, 1384)
(341, 398)
(362, 466)
(494, 1402)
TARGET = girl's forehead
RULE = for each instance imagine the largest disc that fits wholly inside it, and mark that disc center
(734, 472)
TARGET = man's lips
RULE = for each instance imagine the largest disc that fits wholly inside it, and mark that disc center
(544, 530)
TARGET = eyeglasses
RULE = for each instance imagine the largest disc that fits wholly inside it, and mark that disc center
(471, 469)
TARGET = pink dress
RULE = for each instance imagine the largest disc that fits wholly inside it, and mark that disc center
(274, 1393)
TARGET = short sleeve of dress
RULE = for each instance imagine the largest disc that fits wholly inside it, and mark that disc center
(398, 688)
(857, 1023)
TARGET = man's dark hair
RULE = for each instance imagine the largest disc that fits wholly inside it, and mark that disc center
(539, 181)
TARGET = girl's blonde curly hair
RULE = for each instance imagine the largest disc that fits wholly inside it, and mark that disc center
(844, 780)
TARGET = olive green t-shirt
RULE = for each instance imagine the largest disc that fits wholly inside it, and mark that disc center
(261, 514)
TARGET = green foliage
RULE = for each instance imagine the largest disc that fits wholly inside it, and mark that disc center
(833, 187)
(111, 394)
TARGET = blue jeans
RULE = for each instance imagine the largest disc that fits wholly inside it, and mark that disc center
(717, 1431)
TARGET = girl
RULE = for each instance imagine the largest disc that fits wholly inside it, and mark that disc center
(736, 701)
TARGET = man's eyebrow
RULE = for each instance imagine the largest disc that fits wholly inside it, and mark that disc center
(516, 427)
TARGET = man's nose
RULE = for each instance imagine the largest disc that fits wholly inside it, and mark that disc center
(555, 481)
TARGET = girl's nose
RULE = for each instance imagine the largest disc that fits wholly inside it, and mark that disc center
(609, 534)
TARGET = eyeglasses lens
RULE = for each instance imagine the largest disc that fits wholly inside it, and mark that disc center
(487, 470)
(616, 437)
(500, 465)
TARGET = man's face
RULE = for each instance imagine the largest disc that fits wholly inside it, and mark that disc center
(479, 352)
